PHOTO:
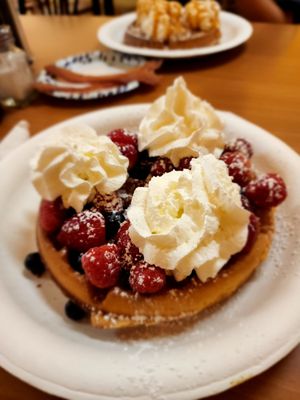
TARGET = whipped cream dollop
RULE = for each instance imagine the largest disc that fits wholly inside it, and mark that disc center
(179, 125)
(202, 14)
(164, 21)
(161, 20)
(75, 164)
(190, 220)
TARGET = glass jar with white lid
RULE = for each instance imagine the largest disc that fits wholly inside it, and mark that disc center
(16, 77)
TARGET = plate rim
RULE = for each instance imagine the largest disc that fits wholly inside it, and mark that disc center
(208, 390)
(106, 40)
(50, 386)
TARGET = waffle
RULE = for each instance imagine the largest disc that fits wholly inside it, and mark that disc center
(121, 308)
(162, 24)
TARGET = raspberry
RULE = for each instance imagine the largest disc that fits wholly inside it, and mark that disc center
(161, 166)
(240, 145)
(266, 191)
(246, 203)
(83, 231)
(127, 143)
(239, 167)
(52, 215)
(146, 278)
(185, 163)
(129, 151)
(129, 252)
(123, 136)
(102, 266)
(253, 229)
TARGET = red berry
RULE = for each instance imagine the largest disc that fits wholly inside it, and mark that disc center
(240, 145)
(102, 266)
(52, 215)
(83, 231)
(239, 167)
(130, 151)
(123, 136)
(185, 163)
(246, 203)
(253, 230)
(130, 254)
(266, 191)
(146, 278)
(161, 166)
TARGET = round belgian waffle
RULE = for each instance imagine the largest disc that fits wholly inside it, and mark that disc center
(120, 308)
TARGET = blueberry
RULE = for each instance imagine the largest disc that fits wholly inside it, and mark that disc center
(74, 259)
(124, 279)
(34, 264)
(73, 311)
(113, 221)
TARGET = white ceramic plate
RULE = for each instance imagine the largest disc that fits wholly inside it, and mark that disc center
(243, 337)
(235, 30)
(92, 63)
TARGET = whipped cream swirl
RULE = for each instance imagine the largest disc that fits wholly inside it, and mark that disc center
(190, 220)
(165, 21)
(75, 164)
(179, 125)
(202, 15)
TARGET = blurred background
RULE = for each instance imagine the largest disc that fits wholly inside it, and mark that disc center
(278, 11)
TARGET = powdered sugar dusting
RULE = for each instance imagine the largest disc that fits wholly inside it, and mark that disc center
(86, 219)
(108, 202)
(286, 244)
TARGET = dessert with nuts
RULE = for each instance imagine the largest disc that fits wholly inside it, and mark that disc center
(167, 24)
(143, 227)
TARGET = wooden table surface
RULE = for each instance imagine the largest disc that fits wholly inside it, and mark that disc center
(259, 81)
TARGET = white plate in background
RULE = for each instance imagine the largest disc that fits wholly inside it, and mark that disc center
(235, 30)
(243, 337)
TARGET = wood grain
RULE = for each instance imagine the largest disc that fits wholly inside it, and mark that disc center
(259, 81)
